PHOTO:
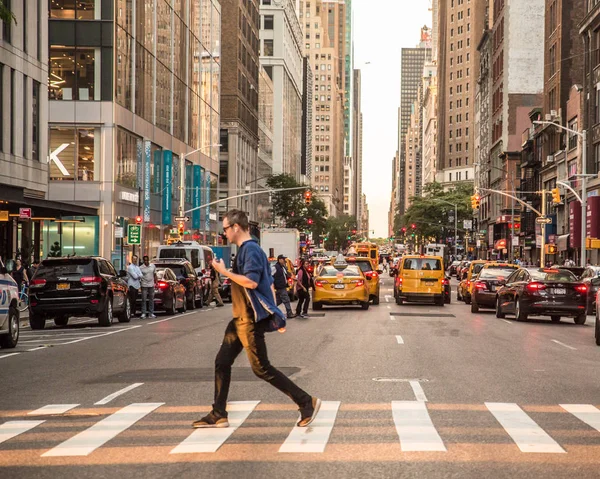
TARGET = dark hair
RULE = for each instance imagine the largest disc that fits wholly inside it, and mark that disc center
(146, 257)
(238, 217)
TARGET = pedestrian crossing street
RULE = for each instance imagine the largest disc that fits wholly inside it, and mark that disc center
(414, 426)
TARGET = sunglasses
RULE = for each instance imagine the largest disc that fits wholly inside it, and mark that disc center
(225, 228)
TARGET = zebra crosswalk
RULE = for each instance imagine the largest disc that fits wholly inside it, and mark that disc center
(415, 428)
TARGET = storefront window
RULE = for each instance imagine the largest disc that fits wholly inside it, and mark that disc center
(79, 9)
(72, 154)
(75, 235)
(74, 74)
(126, 159)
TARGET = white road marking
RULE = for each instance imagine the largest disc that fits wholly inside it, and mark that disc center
(2, 356)
(172, 317)
(399, 339)
(586, 413)
(211, 439)
(528, 436)
(10, 429)
(37, 348)
(387, 298)
(414, 427)
(392, 318)
(110, 397)
(565, 345)
(313, 438)
(418, 390)
(389, 307)
(102, 335)
(507, 321)
(52, 409)
(100, 433)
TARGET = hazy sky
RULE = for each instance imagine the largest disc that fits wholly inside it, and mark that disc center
(381, 29)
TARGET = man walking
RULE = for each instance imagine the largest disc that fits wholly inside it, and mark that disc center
(215, 282)
(148, 282)
(304, 282)
(254, 308)
(133, 281)
(280, 279)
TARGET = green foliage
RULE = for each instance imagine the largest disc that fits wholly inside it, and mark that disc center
(292, 209)
(339, 229)
(431, 215)
(6, 15)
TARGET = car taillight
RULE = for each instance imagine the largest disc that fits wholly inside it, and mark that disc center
(399, 280)
(162, 285)
(445, 282)
(533, 287)
(91, 280)
(581, 288)
(481, 286)
(37, 283)
(468, 283)
(227, 281)
(358, 282)
(290, 281)
(319, 284)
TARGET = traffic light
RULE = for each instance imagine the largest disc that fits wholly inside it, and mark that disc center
(475, 199)
(404, 230)
(354, 231)
(413, 226)
(181, 228)
(310, 221)
(307, 197)
(551, 249)
(138, 220)
(556, 196)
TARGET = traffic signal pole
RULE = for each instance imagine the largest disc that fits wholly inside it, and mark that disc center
(543, 228)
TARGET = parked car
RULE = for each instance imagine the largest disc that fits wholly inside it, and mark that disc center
(169, 293)
(77, 286)
(542, 291)
(452, 268)
(9, 312)
(187, 276)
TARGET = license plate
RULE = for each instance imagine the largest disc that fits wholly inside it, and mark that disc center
(560, 291)
(63, 286)
(339, 286)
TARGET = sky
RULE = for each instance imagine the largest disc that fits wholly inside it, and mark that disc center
(381, 29)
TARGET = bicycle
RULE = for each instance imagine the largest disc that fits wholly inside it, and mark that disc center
(23, 299)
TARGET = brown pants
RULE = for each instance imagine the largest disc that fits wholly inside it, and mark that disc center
(214, 294)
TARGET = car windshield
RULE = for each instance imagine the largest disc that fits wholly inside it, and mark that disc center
(425, 264)
(496, 272)
(332, 271)
(552, 275)
(365, 266)
(477, 268)
(54, 269)
(178, 270)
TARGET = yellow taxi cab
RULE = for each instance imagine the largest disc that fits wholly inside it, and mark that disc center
(340, 283)
(420, 278)
(367, 250)
(464, 287)
(371, 275)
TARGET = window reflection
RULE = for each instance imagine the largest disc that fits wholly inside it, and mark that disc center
(73, 74)
(126, 159)
(79, 9)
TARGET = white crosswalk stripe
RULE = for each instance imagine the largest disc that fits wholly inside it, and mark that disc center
(315, 437)
(211, 439)
(414, 425)
(100, 433)
(526, 433)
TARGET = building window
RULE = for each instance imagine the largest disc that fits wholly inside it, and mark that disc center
(74, 74)
(79, 9)
(72, 153)
(35, 123)
(268, 48)
(7, 26)
(268, 22)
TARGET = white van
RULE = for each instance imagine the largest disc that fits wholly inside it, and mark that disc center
(199, 255)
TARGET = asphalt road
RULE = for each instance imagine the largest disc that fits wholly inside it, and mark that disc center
(409, 391)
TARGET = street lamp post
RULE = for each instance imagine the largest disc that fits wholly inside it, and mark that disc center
(583, 135)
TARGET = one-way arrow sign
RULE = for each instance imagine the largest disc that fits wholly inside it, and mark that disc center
(182, 218)
(543, 220)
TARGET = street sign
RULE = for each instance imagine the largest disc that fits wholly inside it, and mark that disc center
(3, 215)
(467, 224)
(182, 218)
(25, 213)
(543, 220)
(134, 234)
(119, 232)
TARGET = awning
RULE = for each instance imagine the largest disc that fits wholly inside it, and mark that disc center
(563, 243)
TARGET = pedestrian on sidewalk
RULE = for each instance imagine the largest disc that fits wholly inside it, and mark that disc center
(134, 275)
(215, 282)
(303, 285)
(148, 283)
(254, 314)
(280, 279)
(19, 274)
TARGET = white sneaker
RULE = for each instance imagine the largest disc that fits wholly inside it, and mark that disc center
(143, 316)
(152, 316)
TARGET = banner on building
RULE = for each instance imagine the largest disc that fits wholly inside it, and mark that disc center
(197, 196)
(575, 224)
(158, 161)
(207, 217)
(146, 177)
(167, 177)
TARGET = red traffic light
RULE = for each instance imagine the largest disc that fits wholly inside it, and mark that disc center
(138, 220)
(413, 226)
(310, 221)
(353, 232)
(404, 230)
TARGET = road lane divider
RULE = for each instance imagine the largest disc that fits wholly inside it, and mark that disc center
(114, 395)
(211, 439)
(100, 433)
(315, 437)
(418, 390)
(2, 356)
(524, 431)
(564, 345)
(415, 428)
(51, 409)
(399, 340)
(585, 413)
(11, 429)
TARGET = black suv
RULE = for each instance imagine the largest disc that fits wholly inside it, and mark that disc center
(187, 276)
(77, 286)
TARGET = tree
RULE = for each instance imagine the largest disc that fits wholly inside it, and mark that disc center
(340, 232)
(6, 15)
(291, 206)
(432, 217)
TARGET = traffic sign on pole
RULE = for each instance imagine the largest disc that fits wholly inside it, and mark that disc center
(543, 220)
(182, 218)
(134, 234)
